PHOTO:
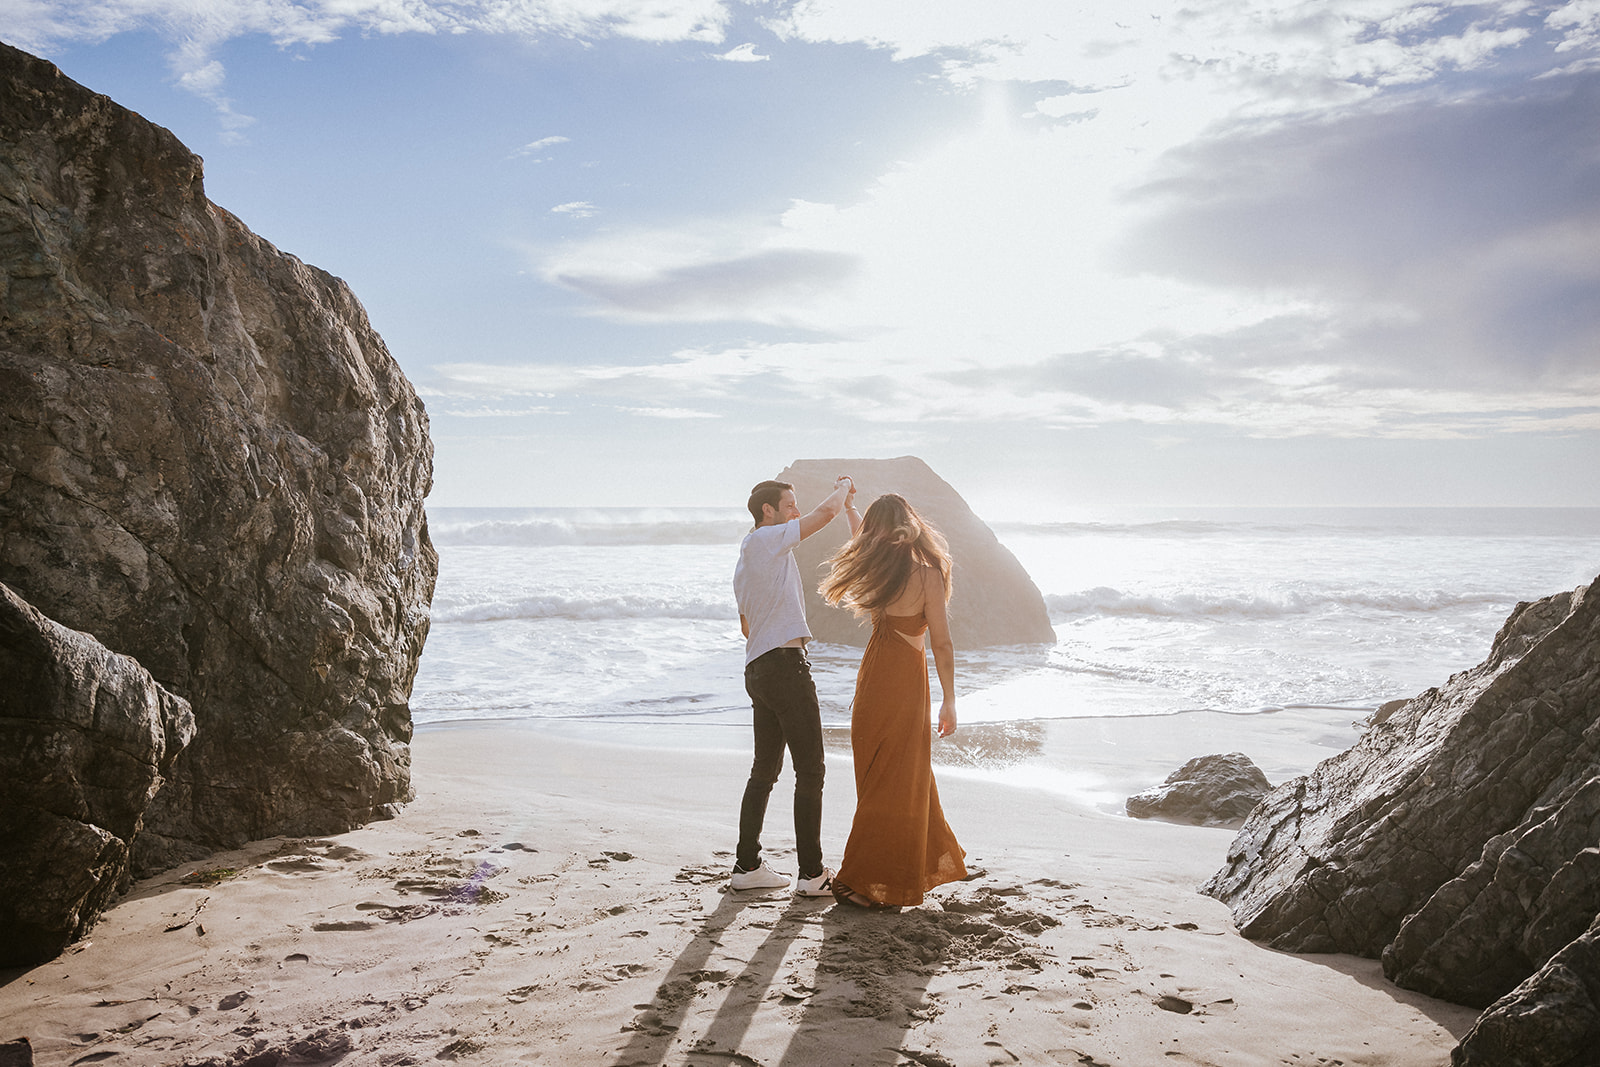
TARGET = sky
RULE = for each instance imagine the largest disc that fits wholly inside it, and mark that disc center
(1076, 256)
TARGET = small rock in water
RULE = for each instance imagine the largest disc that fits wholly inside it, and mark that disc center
(1207, 791)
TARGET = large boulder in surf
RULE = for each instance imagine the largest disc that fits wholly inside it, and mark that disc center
(994, 603)
(210, 462)
(1458, 838)
(1216, 790)
(86, 740)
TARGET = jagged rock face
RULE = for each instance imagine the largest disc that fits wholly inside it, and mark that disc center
(210, 462)
(995, 602)
(1207, 791)
(86, 738)
(1531, 892)
(1457, 838)
(1550, 1020)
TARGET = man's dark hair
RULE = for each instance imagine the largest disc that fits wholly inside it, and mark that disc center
(766, 493)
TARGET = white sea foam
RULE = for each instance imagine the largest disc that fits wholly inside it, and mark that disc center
(554, 606)
(536, 527)
(1103, 600)
(628, 613)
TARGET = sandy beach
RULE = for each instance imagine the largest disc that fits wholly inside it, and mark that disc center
(556, 894)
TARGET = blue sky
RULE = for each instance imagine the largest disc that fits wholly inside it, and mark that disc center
(1076, 256)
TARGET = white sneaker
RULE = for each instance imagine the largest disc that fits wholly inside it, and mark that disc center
(763, 877)
(820, 886)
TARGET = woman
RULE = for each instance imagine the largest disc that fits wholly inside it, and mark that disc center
(895, 569)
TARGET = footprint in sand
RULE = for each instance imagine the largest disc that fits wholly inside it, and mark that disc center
(299, 865)
(398, 913)
(1176, 1005)
(701, 874)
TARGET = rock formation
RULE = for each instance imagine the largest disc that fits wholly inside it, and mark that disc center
(210, 462)
(108, 735)
(1550, 1020)
(995, 602)
(1207, 791)
(1457, 839)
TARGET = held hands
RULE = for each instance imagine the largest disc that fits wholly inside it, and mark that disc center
(850, 513)
(947, 717)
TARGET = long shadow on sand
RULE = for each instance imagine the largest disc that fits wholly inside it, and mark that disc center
(696, 973)
(825, 983)
(869, 989)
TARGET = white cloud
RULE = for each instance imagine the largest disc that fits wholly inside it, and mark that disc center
(1579, 23)
(774, 285)
(497, 413)
(578, 209)
(865, 382)
(197, 30)
(535, 147)
(745, 53)
(1276, 217)
(203, 76)
(669, 413)
(997, 250)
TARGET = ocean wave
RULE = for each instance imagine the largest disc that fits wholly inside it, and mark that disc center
(1164, 527)
(540, 532)
(548, 606)
(1106, 601)
(1449, 523)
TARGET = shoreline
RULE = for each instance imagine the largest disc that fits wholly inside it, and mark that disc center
(1096, 760)
(555, 895)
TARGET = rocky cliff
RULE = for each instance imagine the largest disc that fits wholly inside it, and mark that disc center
(86, 740)
(210, 462)
(995, 602)
(1457, 840)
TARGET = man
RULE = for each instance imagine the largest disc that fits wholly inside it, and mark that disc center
(777, 675)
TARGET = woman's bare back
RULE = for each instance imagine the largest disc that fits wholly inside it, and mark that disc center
(913, 599)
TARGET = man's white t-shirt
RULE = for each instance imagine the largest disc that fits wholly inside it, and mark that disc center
(766, 583)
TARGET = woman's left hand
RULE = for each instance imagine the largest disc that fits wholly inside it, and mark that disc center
(947, 718)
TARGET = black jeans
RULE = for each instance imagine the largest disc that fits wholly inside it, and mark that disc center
(784, 700)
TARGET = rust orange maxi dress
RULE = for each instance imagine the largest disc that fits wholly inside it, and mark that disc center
(900, 846)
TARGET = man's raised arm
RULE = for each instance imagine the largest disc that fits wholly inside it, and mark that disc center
(828, 510)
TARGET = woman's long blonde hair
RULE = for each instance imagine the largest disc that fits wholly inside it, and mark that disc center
(873, 567)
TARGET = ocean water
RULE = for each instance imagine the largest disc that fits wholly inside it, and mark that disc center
(1301, 616)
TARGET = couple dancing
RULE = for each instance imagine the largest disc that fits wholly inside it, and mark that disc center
(895, 569)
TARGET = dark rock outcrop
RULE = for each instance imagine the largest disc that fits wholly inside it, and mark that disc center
(210, 462)
(1532, 891)
(1207, 791)
(994, 603)
(1458, 838)
(86, 738)
(1550, 1020)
